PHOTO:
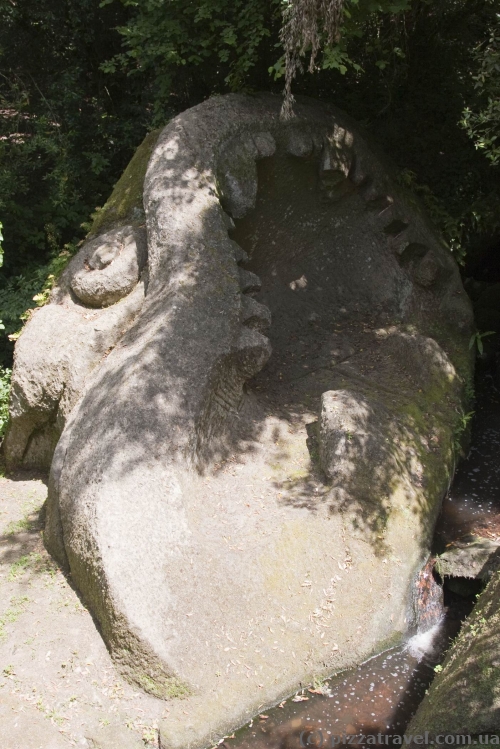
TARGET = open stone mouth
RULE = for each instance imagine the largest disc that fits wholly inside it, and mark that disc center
(233, 540)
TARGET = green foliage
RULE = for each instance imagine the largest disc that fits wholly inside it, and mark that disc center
(5, 375)
(195, 49)
(17, 606)
(360, 16)
(19, 293)
(1, 248)
(482, 120)
(477, 340)
(417, 75)
(66, 129)
(83, 81)
(452, 228)
(2, 326)
(461, 428)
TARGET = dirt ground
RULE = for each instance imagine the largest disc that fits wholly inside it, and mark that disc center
(58, 687)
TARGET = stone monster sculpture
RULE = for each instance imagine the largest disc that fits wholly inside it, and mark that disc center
(234, 541)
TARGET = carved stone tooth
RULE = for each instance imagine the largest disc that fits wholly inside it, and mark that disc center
(334, 171)
(239, 253)
(422, 264)
(359, 171)
(299, 143)
(255, 315)
(396, 227)
(228, 221)
(249, 281)
(411, 252)
(239, 191)
(426, 270)
(253, 350)
(237, 175)
(335, 163)
(265, 144)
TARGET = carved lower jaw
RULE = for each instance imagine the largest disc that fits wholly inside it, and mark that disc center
(150, 420)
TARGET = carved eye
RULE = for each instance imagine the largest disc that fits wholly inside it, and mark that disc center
(108, 267)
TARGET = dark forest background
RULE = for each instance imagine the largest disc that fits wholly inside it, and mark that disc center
(83, 81)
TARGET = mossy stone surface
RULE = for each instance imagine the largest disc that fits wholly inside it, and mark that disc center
(465, 696)
(125, 204)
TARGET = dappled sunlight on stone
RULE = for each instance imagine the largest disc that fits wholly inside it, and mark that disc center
(232, 531)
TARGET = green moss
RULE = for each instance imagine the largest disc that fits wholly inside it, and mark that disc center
(467, 689)
(138, 665)
(16, 608)
(125, 202)
(456, 346)
(167, 688)
(35, 563)
(393, 641)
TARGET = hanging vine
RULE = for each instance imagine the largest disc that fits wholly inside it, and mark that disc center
(307, 26)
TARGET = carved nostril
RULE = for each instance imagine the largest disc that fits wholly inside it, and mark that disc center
(249, 281)
(111, 267)
(103, 257)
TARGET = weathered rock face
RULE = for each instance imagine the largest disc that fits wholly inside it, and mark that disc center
(472, 557)
(465, 697)
(234, 542)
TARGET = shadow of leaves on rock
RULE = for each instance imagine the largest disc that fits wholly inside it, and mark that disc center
(337, 326)
(128, 460)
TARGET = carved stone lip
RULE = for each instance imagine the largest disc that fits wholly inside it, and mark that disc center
(172, 488)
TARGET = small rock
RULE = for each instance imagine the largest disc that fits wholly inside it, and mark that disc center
(474, 557)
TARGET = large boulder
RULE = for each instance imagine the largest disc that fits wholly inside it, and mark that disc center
(233, 540)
